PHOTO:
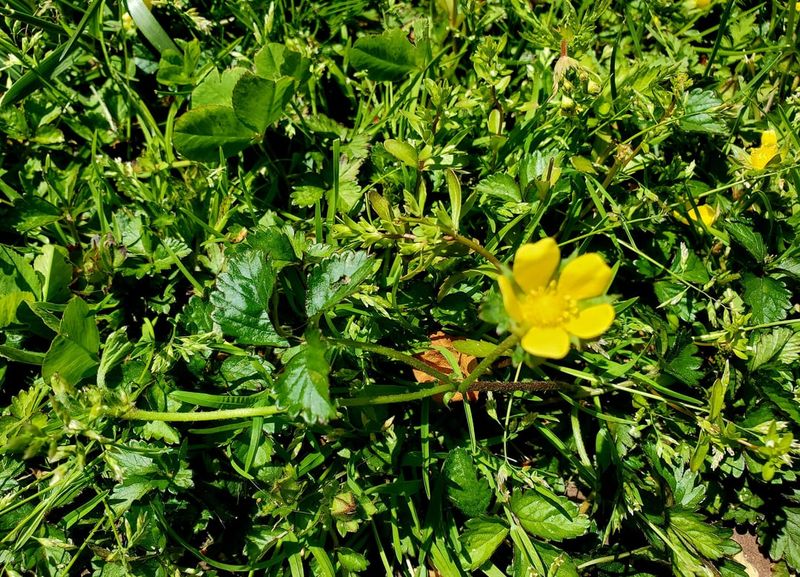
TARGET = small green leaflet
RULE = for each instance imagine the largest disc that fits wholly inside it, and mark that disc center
(335, 278)
(258, 102)
(745, 236)
(303, 385)
(241, 300)
(787, 545)
(685, 366)
(701, 113)
(388, 56)
(767, 297)
(501, 186)
(555, 518)
(73, 353)
(202, 132)
(483, 535)
(465, 489)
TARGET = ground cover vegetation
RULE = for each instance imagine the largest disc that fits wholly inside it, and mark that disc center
(498, 287)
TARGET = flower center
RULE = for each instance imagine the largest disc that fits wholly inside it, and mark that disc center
(546, 307)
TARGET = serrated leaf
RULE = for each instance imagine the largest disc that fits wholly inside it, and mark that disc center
(780, 397)
(695, 533)
(216, 88)
(258, 102)
(786, 545)
(335, 278)
(768, 345)
(483, 535)
(465, 489)
(701, 113)
(748, 238)
(351, 560)
(501, 186)
(388, 56)
(685, 365)
(200, 133)
(555, 518)
(241, 300)
(302, 387)
(768, 298)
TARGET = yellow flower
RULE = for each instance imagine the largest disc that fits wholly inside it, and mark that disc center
(761, 156)
(706, 214)
(701, 4)
(546, 312)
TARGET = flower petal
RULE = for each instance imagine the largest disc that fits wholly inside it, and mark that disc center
(769, 138)
(591, 322)
(547, 342)
(585, 277)
(760, 157)
(706, 213)
(535, 264)
(510, 300)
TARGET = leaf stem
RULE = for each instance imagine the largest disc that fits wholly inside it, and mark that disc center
(190, 417)
(397, 356)
(398, 398)
(475, 247)
(484, 365)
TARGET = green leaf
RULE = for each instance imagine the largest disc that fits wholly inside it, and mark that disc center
(402, 151)
(482, 537)
(303, 385)
(351, 560)
(470, 493)
(16, 274)
(685, 365)
(73, 353)
(56, 272)
(786, 545)
(335, 278)
(710, 541)
(149, 26)
(200, 133)
(748, 238)
(9, 305)
(780, 397)
(241, 300)
(767, 297)
(701, 113)
(258, 102)
(559, 563)
(388, 56)
(768, 345)
(275, 60)
(216, 88)
(554, 518)
(501, 186)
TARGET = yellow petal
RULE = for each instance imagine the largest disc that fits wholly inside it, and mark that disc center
(769, 138)
(535, 264)
(592, 322)
(706, 213)
(760, 157)
(550, 343)
(585, 277)
(510, 299)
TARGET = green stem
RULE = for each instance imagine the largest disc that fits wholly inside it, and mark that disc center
(221, 415)
(398, 398)
(397, 356)
(484, 365)
(610, 558)
(475, 247)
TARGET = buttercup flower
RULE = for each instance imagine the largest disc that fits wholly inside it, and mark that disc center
(761, 156)
(546, 310)
(704, 213)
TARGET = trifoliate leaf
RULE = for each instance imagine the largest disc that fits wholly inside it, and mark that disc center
(335, 278)
(481, 538)
(768, 298)
(555, 518)
(303, 385)
(241, 300)
(470, 493)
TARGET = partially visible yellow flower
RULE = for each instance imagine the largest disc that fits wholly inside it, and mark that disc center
(706, 214)
(546, 311)
(702, 3)
(797, 6)
(762, 155)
